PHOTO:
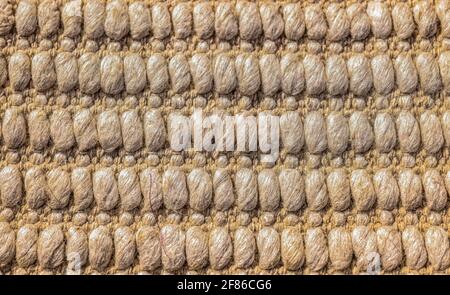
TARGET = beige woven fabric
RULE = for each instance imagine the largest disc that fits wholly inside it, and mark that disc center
(89, 182)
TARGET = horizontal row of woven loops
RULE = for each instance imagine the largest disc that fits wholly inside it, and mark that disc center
(225, 72)
(152, 131)
(171, 247)
(247, 20)
(130, 188)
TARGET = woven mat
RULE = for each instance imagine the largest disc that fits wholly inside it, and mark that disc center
(89, 182)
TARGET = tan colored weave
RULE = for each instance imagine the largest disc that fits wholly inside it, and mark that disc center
(89, 183)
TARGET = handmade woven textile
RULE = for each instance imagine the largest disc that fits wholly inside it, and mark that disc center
(90, 183)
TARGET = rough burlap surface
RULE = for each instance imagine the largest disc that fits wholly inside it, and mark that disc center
(89, 183)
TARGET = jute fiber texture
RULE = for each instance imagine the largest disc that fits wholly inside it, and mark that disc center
(89, 182)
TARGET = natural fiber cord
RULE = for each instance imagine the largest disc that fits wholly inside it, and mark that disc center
(91, 91)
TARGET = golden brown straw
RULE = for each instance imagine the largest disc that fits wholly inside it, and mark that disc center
(89, 183)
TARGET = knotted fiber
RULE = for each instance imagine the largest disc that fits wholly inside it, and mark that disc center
(89, 183)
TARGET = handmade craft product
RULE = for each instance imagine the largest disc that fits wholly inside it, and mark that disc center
(91, 93)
